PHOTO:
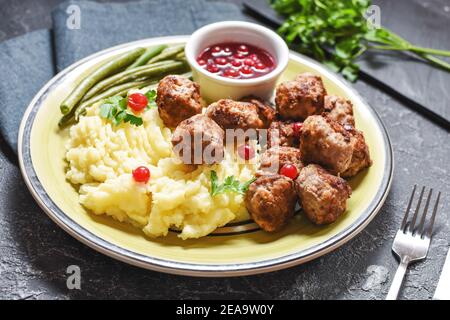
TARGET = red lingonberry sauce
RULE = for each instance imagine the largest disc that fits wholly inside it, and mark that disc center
(236, 60)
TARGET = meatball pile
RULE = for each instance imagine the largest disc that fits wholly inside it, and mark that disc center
(198, 138)
(312, 145)
(315, 134)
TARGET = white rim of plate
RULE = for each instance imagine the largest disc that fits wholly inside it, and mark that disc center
(181, 268)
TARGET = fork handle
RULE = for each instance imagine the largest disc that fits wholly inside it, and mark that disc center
(398, 280)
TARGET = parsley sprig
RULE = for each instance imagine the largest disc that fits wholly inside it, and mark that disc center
(230, 184)
(337, 33)
(115, 109)
(151, 96)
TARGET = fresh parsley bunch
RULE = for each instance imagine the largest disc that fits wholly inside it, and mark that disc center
(230, 184)
(115, 109)
(337, 33)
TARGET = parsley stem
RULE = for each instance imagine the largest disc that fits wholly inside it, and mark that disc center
(385, 47)
(413, 49)
(422, 53)
(436, 61)
(431, 51)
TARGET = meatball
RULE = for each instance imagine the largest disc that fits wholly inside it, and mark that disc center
(360, 157)
(274, 158)
(230, 114)
(323, 196)
(271, 201)
(281, 133)
(198, 140)
(340, 110)
(177, 98)
(326, 142)
(265, 111)
(300, 98)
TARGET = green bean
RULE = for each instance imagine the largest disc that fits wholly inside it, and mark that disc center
(156, 72)
(180, 56)
(131, 74)
(147, 55)
(111, 92)
(168, 53)
(67, 119)
(110, 67)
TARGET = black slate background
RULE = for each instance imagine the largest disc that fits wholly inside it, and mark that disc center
(424, 23)
(402, 74)
(34, 252)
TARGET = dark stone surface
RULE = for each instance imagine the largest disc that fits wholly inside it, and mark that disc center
(415, 20)
(422, 23)
(34, 252)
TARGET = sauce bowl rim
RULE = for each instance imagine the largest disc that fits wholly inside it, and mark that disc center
(206, 31)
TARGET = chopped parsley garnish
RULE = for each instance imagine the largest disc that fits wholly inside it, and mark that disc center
(230, 184)
(115, 109)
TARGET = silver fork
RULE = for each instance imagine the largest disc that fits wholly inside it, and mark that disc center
(411, 243)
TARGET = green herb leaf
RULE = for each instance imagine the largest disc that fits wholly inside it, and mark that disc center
(119, 117)
(214, 182)
(151, 94)
(123, 103)
(106, 110)
(244, 186)
(114, 100)
(115, 110)
(132, 119)
(337, 33)
(152, 104)
(151, 97)
(230, 184)
(351, 72)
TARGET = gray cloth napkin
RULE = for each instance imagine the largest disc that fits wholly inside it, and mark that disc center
(26, 62)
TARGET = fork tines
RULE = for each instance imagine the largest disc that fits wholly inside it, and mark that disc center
(411, 226)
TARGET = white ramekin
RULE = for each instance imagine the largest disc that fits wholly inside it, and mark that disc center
(214, 87)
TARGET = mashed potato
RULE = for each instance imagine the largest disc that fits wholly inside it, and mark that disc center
(101, 157)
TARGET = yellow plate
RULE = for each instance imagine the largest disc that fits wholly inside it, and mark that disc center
(41, 155)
